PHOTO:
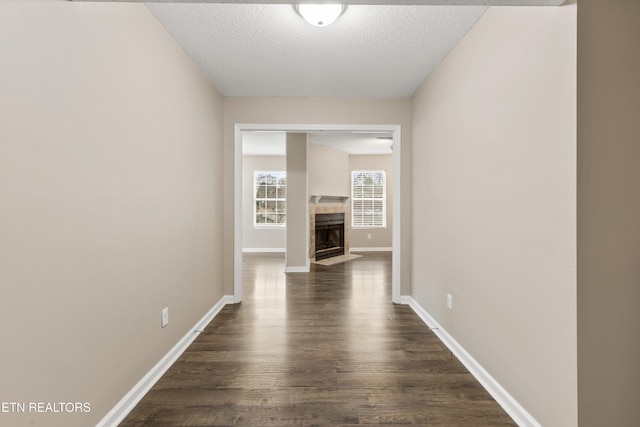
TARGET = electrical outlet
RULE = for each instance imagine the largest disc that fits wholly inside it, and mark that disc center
(450, 301)
(165, 316)
(369, 236)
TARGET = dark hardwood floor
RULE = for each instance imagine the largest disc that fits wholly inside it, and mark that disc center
(323, 348)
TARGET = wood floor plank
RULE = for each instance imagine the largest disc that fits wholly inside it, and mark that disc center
(326, 348)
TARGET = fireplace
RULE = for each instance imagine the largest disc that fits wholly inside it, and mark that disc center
(329, 235)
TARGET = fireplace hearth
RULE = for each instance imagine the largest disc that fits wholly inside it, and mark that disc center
(329, 235)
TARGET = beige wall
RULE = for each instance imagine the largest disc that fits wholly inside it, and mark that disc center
(328, 171)
(257, 237)
(110, 164)
(109, 211)
(316, 111)
(608, 213)
(494, 210)
(380, 237)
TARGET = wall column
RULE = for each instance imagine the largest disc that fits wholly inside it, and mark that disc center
(297, 259)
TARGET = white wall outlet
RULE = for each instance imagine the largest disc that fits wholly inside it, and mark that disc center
(369, 236)
(165, 316)
(450, 301)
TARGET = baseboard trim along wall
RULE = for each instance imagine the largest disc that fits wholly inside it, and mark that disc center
(380, 249)
(297, 269)
(131, 399)
(504, 399)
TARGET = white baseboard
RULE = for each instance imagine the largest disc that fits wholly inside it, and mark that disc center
(297, 269)
(371, 249)
(131, 399)
(406, 300)
(504, 399)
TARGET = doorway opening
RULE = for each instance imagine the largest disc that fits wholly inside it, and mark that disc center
(395, 143)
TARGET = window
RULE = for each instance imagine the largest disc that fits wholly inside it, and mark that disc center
(368, 199)
(270, 201)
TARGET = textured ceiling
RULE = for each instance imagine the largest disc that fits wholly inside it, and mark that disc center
(269, 50)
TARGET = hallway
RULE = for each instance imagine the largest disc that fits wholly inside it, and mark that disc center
(323, 348)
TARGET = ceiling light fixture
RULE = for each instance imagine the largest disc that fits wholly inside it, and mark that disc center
(319, 15)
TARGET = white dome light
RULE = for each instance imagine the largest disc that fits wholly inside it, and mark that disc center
(320, 15)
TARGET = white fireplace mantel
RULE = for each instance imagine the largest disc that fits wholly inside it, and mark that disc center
(316, 200)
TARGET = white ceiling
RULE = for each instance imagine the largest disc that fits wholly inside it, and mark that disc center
(264, 143)
(354, 142)
(258, 143)
(269, 50)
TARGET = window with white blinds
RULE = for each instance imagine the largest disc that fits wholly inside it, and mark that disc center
(368, 199)
(270, 201)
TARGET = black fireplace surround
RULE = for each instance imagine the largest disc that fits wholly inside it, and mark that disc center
(329, 235)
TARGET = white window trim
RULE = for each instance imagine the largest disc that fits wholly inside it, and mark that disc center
(384, 199)
(255, 199)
